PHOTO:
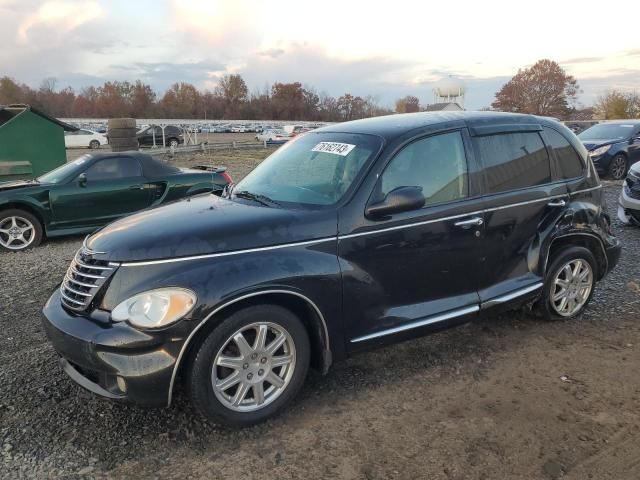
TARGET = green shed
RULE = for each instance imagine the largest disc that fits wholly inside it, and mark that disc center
(31, 142)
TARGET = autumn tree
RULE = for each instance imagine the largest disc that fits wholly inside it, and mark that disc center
(615, 104)
(408, 104)
(543, 89)
(234, 91)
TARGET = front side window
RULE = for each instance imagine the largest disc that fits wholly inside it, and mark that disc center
(113, 169)
(316, 169)
(570, 165)
(437, 164)
(514, 160)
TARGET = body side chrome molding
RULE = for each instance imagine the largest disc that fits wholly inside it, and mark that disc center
(420, 323)
(229, 253)
(462, 215)
(511, 296)
(345, 237)
(231, 302)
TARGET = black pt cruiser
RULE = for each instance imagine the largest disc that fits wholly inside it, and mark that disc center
(351, 236)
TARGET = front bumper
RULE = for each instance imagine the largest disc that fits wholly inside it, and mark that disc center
(101, 355)
(627, 206)
(601, 163)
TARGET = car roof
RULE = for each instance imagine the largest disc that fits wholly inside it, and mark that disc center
(392, 126)
(151, 167)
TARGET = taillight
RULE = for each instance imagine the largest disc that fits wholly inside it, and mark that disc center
(227, 177)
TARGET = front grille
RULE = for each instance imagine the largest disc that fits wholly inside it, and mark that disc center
(83, 280)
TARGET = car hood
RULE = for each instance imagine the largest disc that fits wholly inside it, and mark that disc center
(206, 224)
(15, 184)
(591, 144)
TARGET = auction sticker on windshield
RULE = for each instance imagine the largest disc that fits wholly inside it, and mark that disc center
(334, 147)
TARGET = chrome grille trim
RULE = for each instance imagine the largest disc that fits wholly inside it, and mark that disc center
(84, 279)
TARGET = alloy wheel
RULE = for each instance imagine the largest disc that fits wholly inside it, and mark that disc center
(16, 233)
(253, 367)
(618, 167)
(571, 287)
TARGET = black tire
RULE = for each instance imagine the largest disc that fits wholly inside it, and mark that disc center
(121, 123)
(556, 263)
(122, 133)
(93, 144)
(199, 383)
(618, 167)
(37, 229)
(173, 142)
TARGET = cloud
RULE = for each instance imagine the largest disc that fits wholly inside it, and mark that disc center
(581, 60)
(272, 52)
(59, 16)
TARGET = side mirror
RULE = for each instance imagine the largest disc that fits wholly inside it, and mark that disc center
(82, 180)
(401, 199)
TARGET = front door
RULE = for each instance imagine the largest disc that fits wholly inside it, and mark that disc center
(415, 270)
(114, 187)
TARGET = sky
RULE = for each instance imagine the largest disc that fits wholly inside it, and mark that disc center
(381, 48)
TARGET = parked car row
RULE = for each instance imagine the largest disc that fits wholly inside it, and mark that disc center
(360, 235)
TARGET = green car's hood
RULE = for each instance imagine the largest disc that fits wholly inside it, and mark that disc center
(12, 185)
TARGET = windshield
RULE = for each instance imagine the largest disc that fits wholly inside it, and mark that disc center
(65, 171)
(316, 169)
(606, 131)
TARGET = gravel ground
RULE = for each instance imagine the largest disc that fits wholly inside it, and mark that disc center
(506, 397)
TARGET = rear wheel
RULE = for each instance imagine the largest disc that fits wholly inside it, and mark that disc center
(569, 284)
(250, 367)
(618, 167)
(19, 230)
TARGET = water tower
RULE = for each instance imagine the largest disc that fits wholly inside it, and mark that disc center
(449, 90)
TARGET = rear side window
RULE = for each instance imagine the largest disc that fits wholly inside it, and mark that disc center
(437, 164)
(570, 165)
(514, 160)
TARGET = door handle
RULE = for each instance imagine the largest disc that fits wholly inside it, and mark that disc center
(136, 187)
(475, 221)
(557, 203)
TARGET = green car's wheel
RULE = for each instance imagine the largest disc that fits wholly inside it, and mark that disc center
(19, 230)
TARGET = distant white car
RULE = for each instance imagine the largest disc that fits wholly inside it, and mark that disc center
(272, 136)
(239, 129)
(84, 139)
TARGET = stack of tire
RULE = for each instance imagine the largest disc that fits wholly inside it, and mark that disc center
(122, 134)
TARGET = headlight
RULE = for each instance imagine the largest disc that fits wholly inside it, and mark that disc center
(155, 308)
(599, 151)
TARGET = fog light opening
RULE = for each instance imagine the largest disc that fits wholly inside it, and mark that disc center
(122, 384)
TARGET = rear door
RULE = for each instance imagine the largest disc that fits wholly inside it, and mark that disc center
(115, 187)
(522, 202)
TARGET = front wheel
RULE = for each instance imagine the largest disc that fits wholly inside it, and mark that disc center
(569, 284)
(19, 230)
(250, 367)
(94, 144)
(618, 167)
(173, 143)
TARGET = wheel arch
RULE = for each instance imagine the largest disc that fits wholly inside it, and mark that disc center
(589, 241)
(300, 305)
(26, 206)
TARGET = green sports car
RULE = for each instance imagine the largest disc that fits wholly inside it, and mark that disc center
(92, 191)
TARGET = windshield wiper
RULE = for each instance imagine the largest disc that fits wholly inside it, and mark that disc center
(263, 199)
